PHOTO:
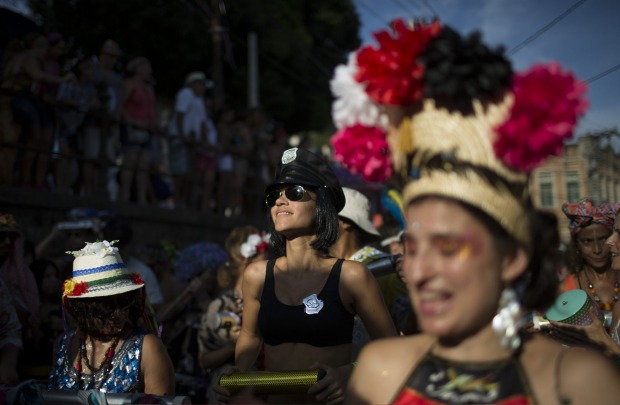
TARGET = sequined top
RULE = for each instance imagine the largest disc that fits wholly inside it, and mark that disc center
(122, 378)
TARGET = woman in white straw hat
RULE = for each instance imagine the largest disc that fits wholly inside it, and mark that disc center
(108, 351)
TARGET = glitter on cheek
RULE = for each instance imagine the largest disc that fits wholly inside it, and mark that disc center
(465, 251)
(471, 246)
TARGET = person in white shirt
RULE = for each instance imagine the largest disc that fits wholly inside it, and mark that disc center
(192, 141)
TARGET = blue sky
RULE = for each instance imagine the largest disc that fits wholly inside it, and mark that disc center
(586, 41)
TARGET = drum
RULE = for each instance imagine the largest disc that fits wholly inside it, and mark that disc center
(573, 307)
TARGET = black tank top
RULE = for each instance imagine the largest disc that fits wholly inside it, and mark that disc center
(279, 323)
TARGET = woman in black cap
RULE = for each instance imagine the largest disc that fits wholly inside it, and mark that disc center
(301, 305)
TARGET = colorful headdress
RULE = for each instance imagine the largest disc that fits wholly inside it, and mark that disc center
(460, 122)
(585, 213)
(99, 271)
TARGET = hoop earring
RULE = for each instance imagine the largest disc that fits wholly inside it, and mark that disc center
(508, 320)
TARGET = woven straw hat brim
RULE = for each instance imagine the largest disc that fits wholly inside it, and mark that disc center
(469, 188)
(107, 291)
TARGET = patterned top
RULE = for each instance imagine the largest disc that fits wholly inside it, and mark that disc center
(122, 378)
(439, 381)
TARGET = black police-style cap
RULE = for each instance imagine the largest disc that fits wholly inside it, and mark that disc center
(305, 168)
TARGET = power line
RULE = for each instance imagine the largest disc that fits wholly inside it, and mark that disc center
(544, 29)
(404, 7)
(430, 8)
(373, 12)
(603, 74)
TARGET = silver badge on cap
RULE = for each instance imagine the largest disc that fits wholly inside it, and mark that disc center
(289, 155)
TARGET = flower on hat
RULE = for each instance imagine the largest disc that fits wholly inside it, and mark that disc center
(392, 73)
(255, 244)
(72, 288)
(352, 105)
(137, 279)
(547, 103)
(98, 249)
(363, 150)
(422, 62)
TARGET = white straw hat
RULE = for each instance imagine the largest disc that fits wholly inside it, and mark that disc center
(99, 271)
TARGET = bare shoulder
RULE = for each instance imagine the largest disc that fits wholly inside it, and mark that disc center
(152, 344)
(255, 271)
(353, 272)
(383, 366)
(154, 353)
(586, 376)
(254, 279)
(579, 375)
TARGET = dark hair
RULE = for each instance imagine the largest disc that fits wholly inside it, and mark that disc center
(88, 312)
(361, 237)
(326, 226)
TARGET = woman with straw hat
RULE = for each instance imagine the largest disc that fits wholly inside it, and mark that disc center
(108, 351)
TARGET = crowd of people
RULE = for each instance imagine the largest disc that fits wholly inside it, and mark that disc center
(460, 315)
(91, 125)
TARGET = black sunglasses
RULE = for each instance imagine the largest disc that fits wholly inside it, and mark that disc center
(292, 193)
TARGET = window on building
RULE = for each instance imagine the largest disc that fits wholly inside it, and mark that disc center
(573, 189)
(545, 185)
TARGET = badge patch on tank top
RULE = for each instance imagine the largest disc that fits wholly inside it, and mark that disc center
(313, 304)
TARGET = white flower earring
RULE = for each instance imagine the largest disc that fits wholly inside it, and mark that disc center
(508, 321)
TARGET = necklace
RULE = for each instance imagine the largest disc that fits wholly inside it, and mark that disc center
(104, 365)
(603, 305)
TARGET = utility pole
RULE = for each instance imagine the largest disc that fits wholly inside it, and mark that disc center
(253, 91)
(216, 62)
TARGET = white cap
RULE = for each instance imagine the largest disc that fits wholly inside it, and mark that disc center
(195, 77)
(357, 209)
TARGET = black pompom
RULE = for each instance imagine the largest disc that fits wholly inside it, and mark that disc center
(459, 70)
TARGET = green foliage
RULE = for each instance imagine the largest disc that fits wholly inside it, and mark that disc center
(300, 43)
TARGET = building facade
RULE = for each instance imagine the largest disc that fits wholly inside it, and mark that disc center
(587, 168)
